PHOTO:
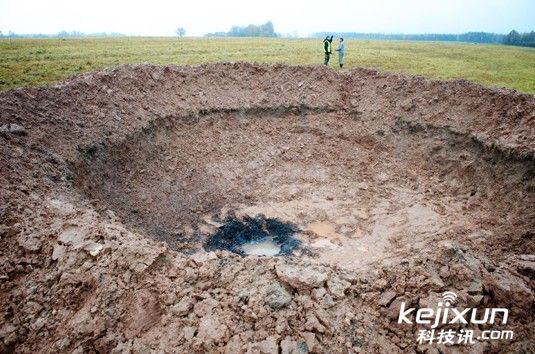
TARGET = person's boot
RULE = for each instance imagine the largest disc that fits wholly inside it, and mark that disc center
(341, 65)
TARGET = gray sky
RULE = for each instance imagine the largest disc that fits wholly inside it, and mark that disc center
(161, 18)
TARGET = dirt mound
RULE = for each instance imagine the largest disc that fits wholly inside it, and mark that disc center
(396, 188)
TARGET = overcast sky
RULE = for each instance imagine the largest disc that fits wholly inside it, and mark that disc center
(161, 18)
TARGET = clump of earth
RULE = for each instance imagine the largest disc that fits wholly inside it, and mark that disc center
(244, 208)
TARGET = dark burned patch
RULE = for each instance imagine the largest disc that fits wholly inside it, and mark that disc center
(235, 233)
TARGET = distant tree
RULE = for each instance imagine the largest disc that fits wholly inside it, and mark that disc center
(513, 38)
(181, 32)
(524, 39)
(235, 31)
(251, 31)
(529, 39)
(267, 30)
(62, 34)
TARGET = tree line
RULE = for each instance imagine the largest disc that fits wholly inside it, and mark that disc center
(521, 39)
(62, 34)
(477, 37)
(265, 30)
(513, 38)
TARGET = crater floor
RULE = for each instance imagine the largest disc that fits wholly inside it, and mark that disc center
(359, 190)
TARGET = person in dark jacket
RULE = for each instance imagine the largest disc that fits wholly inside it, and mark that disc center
(327, 49)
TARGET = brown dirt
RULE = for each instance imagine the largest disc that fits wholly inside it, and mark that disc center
(403, 188)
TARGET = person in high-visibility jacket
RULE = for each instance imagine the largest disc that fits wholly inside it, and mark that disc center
(327, 49)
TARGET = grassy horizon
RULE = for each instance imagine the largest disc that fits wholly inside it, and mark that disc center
(31, 62)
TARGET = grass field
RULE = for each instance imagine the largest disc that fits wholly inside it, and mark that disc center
(29, 62)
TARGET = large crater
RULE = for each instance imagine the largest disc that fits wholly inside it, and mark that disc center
(358, 180)
(372, 189)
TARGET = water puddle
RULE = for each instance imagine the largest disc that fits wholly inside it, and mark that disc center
(324, 229)
(261, 248)
(254, 236)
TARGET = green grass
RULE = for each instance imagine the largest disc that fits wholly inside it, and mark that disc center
(30, 62)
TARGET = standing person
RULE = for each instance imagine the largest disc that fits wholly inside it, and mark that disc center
(327, 49)
(341, 49)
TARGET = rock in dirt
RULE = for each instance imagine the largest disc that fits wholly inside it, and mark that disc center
(393, 309)
(319, 293)
(58, 252)
(61, 207)
(387, 297)
(202, 256)
(338, 287)
(183, 307)
(29, 242)
(211, 330)
(310, 340)
(93, 248)
(12, 128)
(73, 235)
(277, 297)
(234, 345)
(205, 307)
(526, 265)
(313, 324)
(301, 278)
(188, 332)
(291, 346)
(268, 346)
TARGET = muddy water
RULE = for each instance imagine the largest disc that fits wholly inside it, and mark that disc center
(261, 248)
(324, 229)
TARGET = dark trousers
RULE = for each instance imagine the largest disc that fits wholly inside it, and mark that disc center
(326, 60)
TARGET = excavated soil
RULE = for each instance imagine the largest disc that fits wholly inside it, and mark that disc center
(119, 190)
